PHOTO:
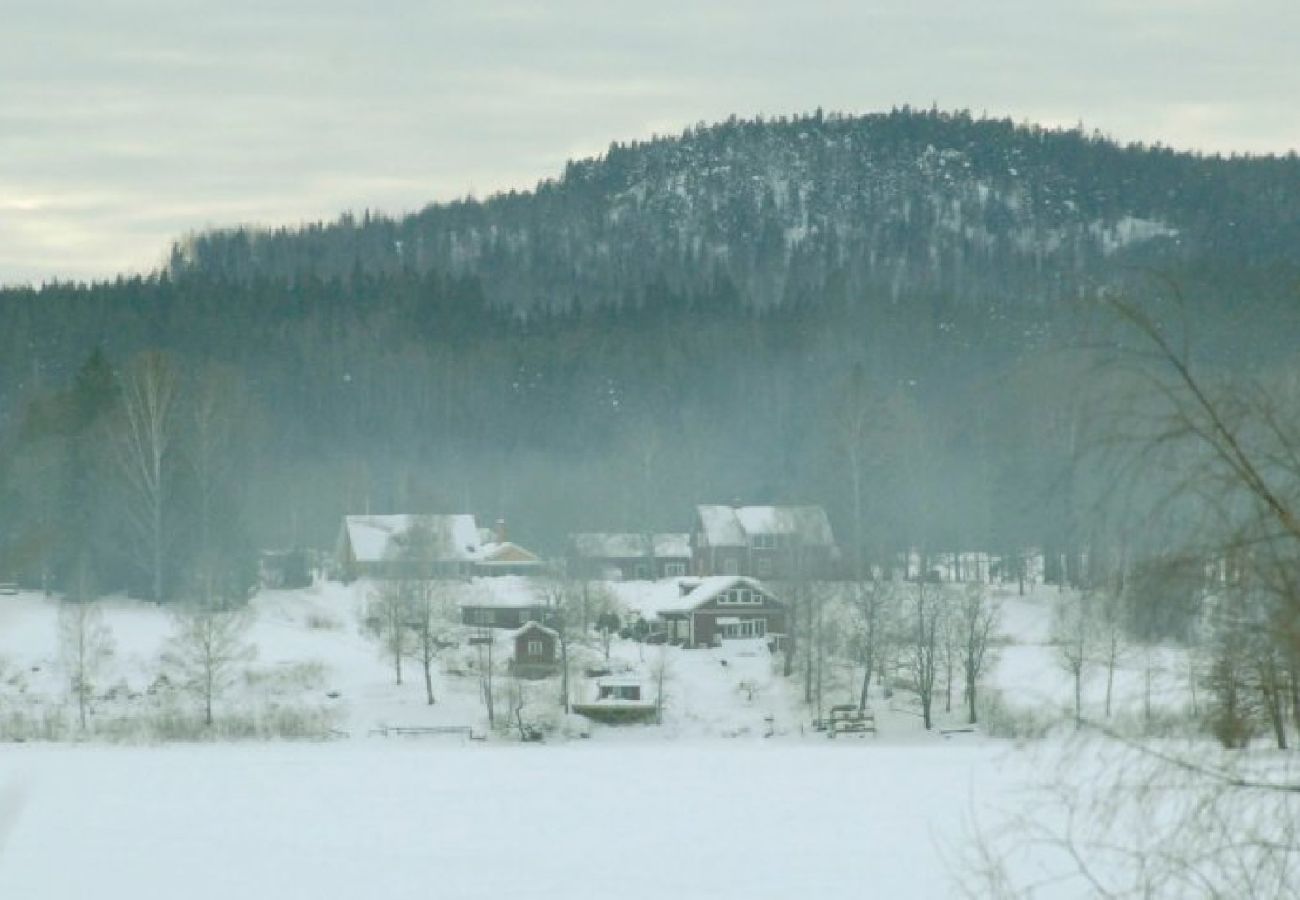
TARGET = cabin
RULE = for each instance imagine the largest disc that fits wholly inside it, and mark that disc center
(629, 556)
(505, 602)
(535, 651)
(427, 546)
(718, 608)
(781, 542)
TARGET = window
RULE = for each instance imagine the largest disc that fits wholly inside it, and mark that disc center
(535, 648)
(740, 596)
(763, 541)
(485, 617)
(745, 628)
(672, 570)
(763, 566)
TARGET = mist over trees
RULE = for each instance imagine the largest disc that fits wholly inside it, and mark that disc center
(889, 315)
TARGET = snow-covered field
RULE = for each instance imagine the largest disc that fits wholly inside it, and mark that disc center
(407, 820)
(733, 795)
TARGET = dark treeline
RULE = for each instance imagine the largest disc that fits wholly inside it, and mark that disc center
(692, 320)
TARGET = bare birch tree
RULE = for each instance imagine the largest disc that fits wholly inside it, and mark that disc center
(978, 615)
(875, 602)
(85, 643)
(432, 610)
(1111, 637)
(927, 615)
(143, 444)
(208, 644)
(390, 609)
(1074, 636)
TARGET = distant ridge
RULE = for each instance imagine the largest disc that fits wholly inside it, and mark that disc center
(791, 207)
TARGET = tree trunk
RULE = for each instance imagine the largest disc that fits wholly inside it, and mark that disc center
(564, 674)
(1110, 676)
(1078, 696)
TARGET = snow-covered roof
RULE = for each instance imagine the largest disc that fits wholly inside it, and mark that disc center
(531, 625)
(453, 537)
(630, 545)
(721, 526)
(646, 598)
(705, 589)
(731, 526)
(675, 595)
(502, 591)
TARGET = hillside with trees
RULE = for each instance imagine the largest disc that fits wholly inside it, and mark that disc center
(766, 311)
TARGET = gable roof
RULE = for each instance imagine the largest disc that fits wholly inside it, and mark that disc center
(453, 537)
(706, 589)
(630, 545)
(732, 526)
(502, 592)
(533, 625)
(506, 553)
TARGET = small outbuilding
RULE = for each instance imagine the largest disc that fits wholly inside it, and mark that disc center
(536, 651)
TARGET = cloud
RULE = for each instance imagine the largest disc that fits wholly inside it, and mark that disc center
(125, 125)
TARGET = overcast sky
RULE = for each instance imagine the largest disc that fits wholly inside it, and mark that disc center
(126, 123)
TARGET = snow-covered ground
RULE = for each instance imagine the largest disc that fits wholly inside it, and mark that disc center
(404, 820)
(732, 795)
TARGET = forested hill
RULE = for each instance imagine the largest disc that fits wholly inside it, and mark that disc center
(684, 320)
(786, 209)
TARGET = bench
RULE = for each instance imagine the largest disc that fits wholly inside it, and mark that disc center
(423, 730)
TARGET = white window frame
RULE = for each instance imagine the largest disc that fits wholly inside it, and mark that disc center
(536, 648)
(674, 569)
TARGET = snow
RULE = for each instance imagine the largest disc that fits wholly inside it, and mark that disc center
(727, 526)
(691, 807)
(456, 536)
(405, 820)
(721, 526)
(503, 592)
(705, 589)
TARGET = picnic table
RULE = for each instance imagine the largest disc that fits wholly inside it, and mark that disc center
(848, 719)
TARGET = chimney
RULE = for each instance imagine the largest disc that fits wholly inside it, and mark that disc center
(499, 531)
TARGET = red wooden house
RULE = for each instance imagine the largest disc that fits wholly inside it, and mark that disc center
(723, 607)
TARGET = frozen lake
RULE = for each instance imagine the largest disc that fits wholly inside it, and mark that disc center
(412, 819)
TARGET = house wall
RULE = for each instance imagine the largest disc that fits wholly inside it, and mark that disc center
(809, 562)
(506, 616)
(627, 567)
(720, 561)
(532, 635)
(705, 630)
